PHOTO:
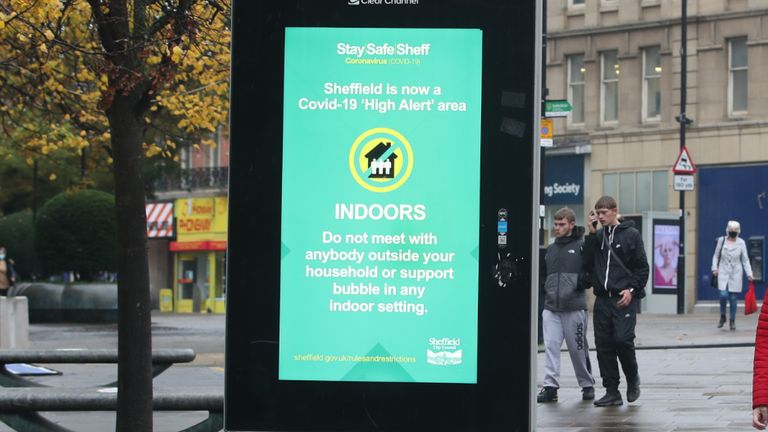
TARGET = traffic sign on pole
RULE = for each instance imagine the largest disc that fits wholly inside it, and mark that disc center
(557, 108)
(684, 163)
(684, 182)
(546, 133)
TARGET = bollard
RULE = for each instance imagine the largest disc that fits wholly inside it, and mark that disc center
(14, 322)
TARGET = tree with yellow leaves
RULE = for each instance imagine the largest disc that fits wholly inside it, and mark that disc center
(105, 78)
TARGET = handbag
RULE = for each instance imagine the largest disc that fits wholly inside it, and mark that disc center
(712, 277)
(750, 302)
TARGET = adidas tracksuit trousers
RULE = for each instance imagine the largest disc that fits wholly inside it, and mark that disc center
(571, 327)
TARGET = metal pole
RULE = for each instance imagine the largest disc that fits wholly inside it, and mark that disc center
(683, 123)
(34, 189)
(82, 163)
(544, 94)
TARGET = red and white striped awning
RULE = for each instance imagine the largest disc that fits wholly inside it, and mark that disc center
(159, 220)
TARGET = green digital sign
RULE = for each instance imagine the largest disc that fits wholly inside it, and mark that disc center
(380, 205)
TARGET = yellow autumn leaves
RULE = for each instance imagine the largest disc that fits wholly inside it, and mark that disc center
(55, 79)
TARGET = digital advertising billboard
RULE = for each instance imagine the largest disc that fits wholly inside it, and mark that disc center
(666, 250)
(382, 224)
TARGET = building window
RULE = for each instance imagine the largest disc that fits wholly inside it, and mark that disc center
(576, 3)
(651, 84)
(214, 155)
(609, 89)
(636, 192)
(576, 73)
(737, 77)
(660, 188)
(185, 158)
(626, 198)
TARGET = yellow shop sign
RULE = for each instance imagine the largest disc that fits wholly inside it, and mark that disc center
(201, 216)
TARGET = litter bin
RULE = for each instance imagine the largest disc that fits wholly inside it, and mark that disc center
(166, 300)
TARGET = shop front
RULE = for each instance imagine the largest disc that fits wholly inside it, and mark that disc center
(200, 255)
(563, 187)
(160, 233)
(731, 192)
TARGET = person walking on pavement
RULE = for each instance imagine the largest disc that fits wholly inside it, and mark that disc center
(729, 263)
(615, 257)
(565, 308)
(7, 273)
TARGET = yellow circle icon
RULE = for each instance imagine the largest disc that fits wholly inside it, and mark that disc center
(381, 159)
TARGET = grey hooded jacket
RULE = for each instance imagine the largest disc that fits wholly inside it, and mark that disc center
(563, 286)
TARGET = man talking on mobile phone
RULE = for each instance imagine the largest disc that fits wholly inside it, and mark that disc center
(615, 257)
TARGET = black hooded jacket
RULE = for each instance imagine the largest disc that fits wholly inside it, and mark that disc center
(627, 244)
(562, 267)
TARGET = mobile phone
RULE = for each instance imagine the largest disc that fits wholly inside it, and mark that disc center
(594, 222)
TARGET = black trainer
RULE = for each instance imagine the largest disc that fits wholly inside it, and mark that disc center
(633, 389)
(721, 323)
(612, 398)
(588, 393)
(547, 394)
(733, 324)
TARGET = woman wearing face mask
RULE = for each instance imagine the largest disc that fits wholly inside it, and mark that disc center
(7, 273)
(729, 263)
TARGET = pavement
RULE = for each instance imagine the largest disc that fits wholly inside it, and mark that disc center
(694, 377)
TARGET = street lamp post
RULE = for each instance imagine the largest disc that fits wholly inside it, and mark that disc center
(684, 122)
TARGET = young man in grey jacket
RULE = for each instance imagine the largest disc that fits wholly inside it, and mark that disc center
(565, 308)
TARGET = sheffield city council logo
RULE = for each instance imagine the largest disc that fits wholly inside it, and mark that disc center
(444, 351)
(381, 160)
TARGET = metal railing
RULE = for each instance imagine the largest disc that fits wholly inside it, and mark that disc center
(196, 178)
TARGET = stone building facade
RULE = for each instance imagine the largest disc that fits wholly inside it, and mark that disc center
(618, 62)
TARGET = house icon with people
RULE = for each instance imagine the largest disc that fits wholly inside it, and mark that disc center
(381, 168)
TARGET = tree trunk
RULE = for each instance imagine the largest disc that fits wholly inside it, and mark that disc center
(134, 376)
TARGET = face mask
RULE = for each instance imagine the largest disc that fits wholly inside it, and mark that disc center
(732, 234)
(2, 257)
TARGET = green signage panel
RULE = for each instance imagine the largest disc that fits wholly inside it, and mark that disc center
(557, 108)
(380, 205)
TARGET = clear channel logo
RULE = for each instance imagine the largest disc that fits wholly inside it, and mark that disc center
(383, 2)
(444, 351)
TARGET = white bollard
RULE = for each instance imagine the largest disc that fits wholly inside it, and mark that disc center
(14, 322)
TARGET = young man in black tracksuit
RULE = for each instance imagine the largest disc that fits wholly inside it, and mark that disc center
(615, 257)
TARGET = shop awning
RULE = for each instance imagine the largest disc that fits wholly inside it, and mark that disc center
(159, 220)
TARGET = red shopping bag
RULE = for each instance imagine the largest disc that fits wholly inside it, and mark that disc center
(750, 302)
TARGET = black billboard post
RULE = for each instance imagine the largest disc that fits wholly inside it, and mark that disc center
(684, 123)
(382, 225)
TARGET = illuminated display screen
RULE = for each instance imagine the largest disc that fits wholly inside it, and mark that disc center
(380, 205)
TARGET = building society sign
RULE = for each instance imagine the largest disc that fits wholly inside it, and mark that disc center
(563, 180)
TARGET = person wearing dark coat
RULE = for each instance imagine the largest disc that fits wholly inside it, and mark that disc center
(7, 273)
(615, 257)
(564, 317)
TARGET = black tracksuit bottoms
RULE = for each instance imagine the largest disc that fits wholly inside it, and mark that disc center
(615, 340)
